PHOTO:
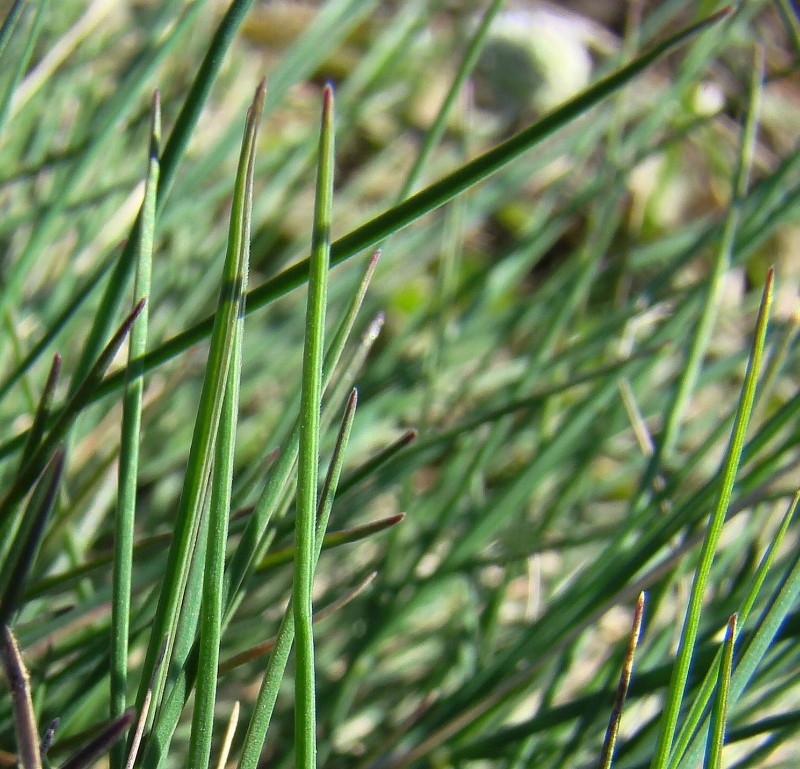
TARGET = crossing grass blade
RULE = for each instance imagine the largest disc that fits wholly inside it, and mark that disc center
(129, 447)
(428, 199)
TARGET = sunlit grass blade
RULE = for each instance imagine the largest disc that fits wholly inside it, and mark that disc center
(430, 198)
(187, 520)
(25, 729)
(332, 539)
(129, 445)
(728, 475)
(697, 711)
(22, 552)
(225, 749)
(308, 458)
(719, 716)
(270, 685)
(758, 644)
(28, 474)
(259, 650)
(607, 753)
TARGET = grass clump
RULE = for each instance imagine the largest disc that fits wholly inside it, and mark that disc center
(569, 468)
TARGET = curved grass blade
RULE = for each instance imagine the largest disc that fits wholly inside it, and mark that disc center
(270, 685)
(27, 540)
(719, 716)
(607, 754)
(308, 459)
(209, 410)
(430, 198)
(129, 445)
(728, 475)
(25, 727)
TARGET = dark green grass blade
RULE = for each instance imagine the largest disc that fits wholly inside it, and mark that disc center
(432, 197)
(187, 521)
(28, 474)
(22, 553)
(129, 446)
(728, 475)
(42, 412)
(101, 744)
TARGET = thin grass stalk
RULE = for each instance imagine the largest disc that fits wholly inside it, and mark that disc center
(213, 582)
(129, 446)
(308, 458)
(728, 475)
(719, 716)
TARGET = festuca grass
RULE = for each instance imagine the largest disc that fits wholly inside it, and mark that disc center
(431, 402)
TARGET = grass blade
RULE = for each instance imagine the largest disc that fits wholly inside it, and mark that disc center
(129, 446)
(728, 474)
(607, 754)
(25, 727)
(430, 198)
(719, 716)
(308, 463)
(208, 416)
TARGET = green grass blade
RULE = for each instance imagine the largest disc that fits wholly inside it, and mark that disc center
(697, 712)
(10, 21)
(270, 685)
(211, 610)
(201, 453)
(129, 446)
(728, 475)
(719, 716)
(430, 198)
(308, 458)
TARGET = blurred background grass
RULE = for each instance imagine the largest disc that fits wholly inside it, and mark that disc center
(535, 331)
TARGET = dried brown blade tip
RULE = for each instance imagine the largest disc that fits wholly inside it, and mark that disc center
(622, 689)
(25, 728)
